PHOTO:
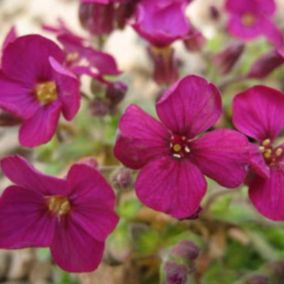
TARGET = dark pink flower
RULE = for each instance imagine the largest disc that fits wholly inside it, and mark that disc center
(173, 155)
(251, 19)
(161, 22)
(81, 57)
(71, 216)
(37, 88)
(259, 113)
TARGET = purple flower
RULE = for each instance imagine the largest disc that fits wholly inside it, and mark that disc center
(259, 113)
(173, 155)
(81, 57)
(71, 216)
(37, 88)
(251, 19)
(161, 22)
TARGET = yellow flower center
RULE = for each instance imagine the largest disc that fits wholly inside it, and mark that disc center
(270, 154)
(46, 92)
(248, 19)
(58, 205)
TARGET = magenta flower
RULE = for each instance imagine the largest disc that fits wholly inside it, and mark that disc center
(258, 113)
(173, 155)
(71, 216)
(251, 19)
(161, 22)
(37, 88)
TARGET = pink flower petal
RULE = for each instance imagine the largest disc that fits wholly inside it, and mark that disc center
(223, 156)
(175, 187)
(267, 195)
(73, 249)
(273, 34)
(10, 37)
(190, 106)
(92, 200)
(25, 221)
(40, 128)
(26, 59)
(258, 112)
(22, 173)
(16, 97)
(142, 138)
(69, 89)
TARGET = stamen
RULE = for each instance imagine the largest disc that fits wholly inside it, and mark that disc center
(59, 205)
(177, 147)
(248, 19)
(187, 149)
(266, 142)
(267, 153)
(46, 92)
(278, 152)
(261, 149)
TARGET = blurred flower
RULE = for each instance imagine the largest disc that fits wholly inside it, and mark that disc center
(186, 250)
(258, 279)
(161, 22)
(115, 92)
(99, 107)
(265, 64)
(175, 273)
(37, 88)
(172, 156)
(165, 65)
(194, 41)
(251, 19)
(71, 216)
(259, 113)
(227, 58)
(122, 178)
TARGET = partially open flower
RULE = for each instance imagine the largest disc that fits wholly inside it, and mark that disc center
(72, 216)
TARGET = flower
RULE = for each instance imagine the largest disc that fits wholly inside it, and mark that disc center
(258, 113)
(37, 88)
(71, 216)
(251, 19)
(161, 22)
(172, 154)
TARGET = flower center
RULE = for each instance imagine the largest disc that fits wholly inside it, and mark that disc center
(46, 92)
(270, 154)
(59, 205)
(248, 19)
(72, 56)
(179, 146)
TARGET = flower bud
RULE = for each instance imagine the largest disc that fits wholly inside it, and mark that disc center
(175, 273)
(122, 178)
(226, 59)
(258, 279)
(115, 92)
(97, 18)
(99, 107)
(194, 41)
(124, 12)
(186, 250)
(265, 64)
(165, 65)
(214, 13)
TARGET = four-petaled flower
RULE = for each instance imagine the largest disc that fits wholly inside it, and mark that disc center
(251, 19)
(258, 113)
(37, 88)
(172, 154)
(71, 216)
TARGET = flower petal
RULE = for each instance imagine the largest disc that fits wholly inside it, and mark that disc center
(26, 59)
(73, 249)
(25, 221)
(142, 138)
(69, 89)
(190, 106)
(15, 97)
(267, 194)
(40, 128)
(259, 112)
(92, 200)
(175, 187)
(223, 156)
(22, 173)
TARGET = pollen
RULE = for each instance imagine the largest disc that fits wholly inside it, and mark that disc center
(72, 56)
(266, 142)
(177, 147)
(59, 205)
(46, 92)
(248, 19)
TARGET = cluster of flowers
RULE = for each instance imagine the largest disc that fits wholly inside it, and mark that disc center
(73, 216)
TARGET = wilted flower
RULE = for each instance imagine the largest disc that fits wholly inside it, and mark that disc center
(259, 113)
(37, 88)
(265, 64)
(227, 58)
(161, 22)
(172, 156)
(251, 19)
(71, 216)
